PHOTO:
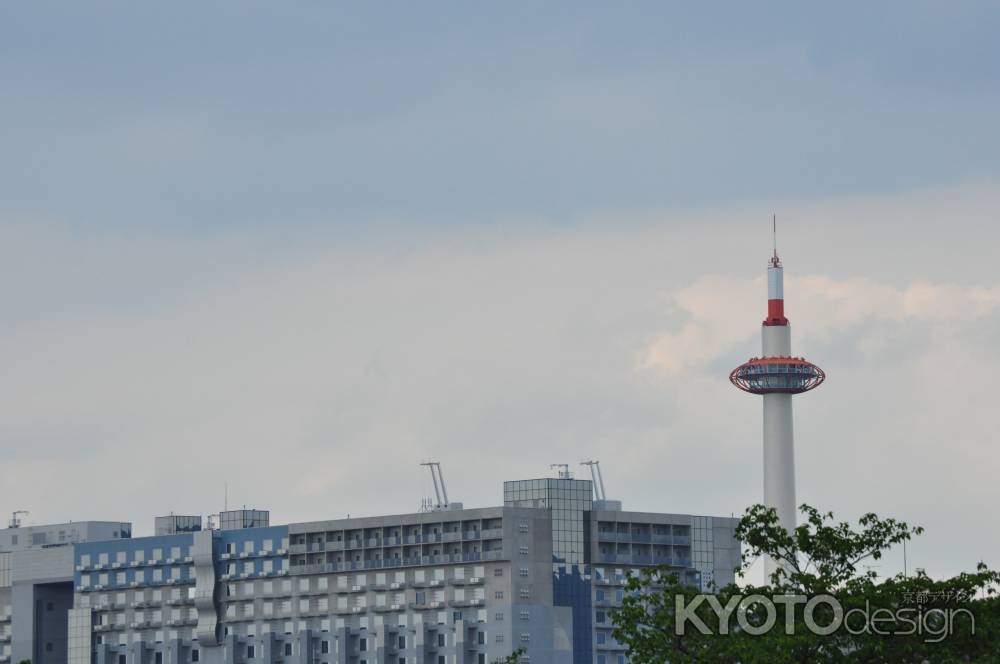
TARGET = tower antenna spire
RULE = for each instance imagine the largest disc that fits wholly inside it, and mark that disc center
(775, 261)
(774, 232)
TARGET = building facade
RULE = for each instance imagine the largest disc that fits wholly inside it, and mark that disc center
(542, 572)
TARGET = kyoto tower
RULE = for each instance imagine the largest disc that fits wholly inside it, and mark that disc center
(777, 376)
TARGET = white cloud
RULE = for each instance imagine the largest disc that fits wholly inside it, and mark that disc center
(717, 309)
(315, 384)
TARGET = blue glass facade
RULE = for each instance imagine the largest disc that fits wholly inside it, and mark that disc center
(569, 501)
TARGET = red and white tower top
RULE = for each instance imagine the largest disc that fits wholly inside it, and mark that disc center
(775, 292)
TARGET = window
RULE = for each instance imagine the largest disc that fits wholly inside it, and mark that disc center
(158, 658)
(600, 595)
(195, 655)
(522, 527)
(499, 637)
(498, 594)
(525, 637)
(288, 648)
(481, 638)
(523, 550)
(602, 617)
(250, 652)
(402, 642)
(499, 615)
(363, 645)
(441, 659)
(121, 659)
(498, 571)
(482, 658)
(602, 638)
(523, 571)
(525, 614)
(525, 593)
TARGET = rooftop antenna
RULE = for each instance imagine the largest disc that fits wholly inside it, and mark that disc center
(15, 521)
(564, 473)
(440, 491)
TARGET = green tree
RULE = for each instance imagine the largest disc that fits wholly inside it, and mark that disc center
(918, 619)
(513, 658)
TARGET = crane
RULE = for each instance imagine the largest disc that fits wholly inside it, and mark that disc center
(440, 492)
(595, 472)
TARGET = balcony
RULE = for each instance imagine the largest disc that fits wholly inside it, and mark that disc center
(323, 568)
(613, 536)
(612, 645)
(496, 533)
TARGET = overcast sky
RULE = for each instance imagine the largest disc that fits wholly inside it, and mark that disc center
(303, 250)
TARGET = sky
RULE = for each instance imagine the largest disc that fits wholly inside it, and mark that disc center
(296, 251)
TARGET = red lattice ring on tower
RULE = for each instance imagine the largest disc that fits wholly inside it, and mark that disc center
(777, 375)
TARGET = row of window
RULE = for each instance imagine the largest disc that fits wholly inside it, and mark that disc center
(139, 555)
(138, 576)
(323, 603)
(249, 546)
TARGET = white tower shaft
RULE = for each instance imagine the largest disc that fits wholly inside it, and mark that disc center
(777, 376)
(779, 440)
(778, 434)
